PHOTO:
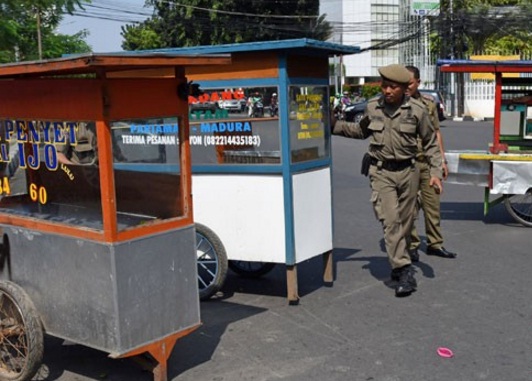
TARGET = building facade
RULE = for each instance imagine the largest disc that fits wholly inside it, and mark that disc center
(385, 30)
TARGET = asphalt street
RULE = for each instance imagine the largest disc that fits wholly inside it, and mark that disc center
(478, 305)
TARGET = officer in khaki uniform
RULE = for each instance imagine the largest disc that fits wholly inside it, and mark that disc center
(81, 152)
(84, 151)
(393, 123)
(428, 199)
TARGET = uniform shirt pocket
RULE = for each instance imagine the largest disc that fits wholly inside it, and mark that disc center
(408, 129)
(376, 128)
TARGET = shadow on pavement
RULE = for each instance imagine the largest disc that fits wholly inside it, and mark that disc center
(190, 351)
(471, 211)
(198, 347)
(310, 279)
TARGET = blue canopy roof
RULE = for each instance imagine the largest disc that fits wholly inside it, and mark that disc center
(303, 44)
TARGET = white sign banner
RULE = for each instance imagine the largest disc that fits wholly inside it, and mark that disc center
(425, 8)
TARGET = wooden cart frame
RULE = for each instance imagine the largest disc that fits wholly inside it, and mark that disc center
(122, 279)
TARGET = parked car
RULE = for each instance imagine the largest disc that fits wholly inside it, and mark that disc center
(238, 105)
(437, 97)
(203, 106)
(355, 111)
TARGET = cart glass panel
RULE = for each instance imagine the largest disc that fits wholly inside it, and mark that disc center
(147, 171)
(50, 171)
(308, 116)
(235, 126)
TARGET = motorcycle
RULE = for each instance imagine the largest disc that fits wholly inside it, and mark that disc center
(338, 112)
(257, 109)
(274, 110)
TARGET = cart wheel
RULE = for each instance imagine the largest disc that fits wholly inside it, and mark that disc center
(212, 262)
(520, 207)
(251, 269)
(21, 335)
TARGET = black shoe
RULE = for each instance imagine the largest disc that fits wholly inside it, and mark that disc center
(442, 253)
(395, 274)
(406, 283)
(414, 255)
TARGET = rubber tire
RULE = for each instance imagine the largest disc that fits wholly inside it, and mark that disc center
(245, 269)
(26, 312)
(205, 236)
(523, 218)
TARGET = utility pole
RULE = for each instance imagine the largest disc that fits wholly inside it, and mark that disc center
(460, 55)
(39, 36)
(453, 87)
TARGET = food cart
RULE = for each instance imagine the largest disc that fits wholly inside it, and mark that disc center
(94, 254)
(261, 159)
(505, 169)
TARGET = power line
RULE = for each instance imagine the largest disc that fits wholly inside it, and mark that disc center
(124, 12)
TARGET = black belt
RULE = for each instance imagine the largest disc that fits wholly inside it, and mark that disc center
(393, 165)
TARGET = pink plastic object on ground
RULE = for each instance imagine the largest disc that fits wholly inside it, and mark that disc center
(445, 352)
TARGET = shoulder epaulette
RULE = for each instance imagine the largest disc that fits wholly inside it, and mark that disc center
(428, 96)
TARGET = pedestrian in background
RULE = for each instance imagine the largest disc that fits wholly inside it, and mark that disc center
(428, 198)
(393, 122)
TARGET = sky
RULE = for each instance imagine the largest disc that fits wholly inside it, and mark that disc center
(103, 19)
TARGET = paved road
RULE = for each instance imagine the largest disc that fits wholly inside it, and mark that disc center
(478, 305)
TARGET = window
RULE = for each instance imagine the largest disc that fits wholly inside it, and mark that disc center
(308, 117)
(235, 126)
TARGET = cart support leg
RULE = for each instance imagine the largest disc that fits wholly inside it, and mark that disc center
(291, 285)
(328, 275)
(159, 352)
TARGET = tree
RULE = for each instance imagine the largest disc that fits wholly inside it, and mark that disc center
(473, 26)
(27, 29)
(207, 22)
(140, 37)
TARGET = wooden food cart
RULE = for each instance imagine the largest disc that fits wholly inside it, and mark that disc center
(94, 254)
(505, 169)
(261, 159)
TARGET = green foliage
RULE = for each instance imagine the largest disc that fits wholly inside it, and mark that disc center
(519, 42)
(370, 90)
(140, 37)
(206, 22)
(55, 45)
(24, 22)
(476, 26)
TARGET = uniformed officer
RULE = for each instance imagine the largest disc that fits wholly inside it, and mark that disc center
(393, 121)
(81, 152)
(429, 200)
(84, 151)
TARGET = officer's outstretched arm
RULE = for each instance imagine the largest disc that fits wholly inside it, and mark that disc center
(352, 129)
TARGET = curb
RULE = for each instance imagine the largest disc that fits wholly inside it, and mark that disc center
(469, 119)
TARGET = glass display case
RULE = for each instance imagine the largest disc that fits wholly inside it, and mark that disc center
(52, 171)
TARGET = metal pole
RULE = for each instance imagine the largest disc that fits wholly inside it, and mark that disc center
(39, 34)
(453, 82)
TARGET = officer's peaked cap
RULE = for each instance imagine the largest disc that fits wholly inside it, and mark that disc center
(395, 73)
